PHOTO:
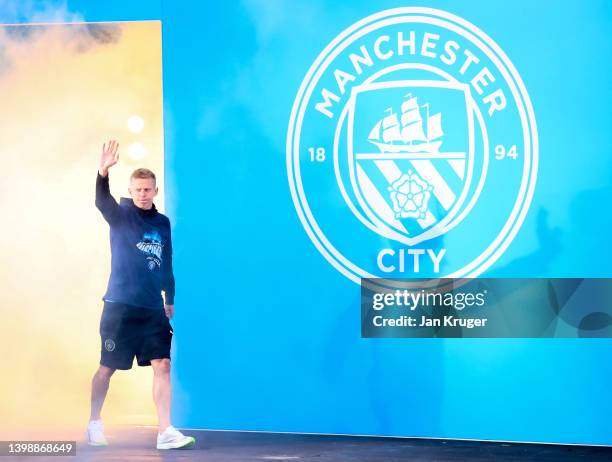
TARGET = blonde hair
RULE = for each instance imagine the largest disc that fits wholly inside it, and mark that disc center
(143, 173)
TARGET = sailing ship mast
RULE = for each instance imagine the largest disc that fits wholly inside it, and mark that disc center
(407, 133)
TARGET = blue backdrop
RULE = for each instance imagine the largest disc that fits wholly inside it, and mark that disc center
(268, 332)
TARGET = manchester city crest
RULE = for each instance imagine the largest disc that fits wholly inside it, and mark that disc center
(412, 148)
(109, 344)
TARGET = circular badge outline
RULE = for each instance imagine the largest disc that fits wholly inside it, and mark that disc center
(511, 77)
(109, 345)
(527, 183)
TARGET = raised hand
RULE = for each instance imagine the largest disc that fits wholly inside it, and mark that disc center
(110, 156)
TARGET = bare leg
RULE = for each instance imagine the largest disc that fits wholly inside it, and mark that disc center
(162, 391)
(99, 387)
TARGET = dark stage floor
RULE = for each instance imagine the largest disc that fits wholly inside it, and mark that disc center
(138, 444)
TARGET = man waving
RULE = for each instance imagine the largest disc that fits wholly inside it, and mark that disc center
(135, 318)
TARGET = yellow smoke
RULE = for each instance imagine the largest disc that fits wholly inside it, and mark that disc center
(64, 89)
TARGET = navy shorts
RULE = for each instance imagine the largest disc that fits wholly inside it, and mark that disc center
(127, 331)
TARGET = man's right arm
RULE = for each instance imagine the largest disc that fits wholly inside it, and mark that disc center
(105, 202)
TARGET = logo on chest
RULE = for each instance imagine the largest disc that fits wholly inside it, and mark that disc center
(151, 245)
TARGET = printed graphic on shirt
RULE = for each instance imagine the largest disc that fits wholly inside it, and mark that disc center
(151, 246)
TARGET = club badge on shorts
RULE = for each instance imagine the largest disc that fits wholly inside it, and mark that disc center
(412, 148)
(109, 345)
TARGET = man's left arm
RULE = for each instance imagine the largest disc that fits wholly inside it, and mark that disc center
(168, 286)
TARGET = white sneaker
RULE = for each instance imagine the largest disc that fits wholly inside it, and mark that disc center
(95, 433)
(171, 438)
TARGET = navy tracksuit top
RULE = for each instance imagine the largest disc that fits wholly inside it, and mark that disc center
(141, 248)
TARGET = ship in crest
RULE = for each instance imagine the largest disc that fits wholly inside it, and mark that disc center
(410, 132)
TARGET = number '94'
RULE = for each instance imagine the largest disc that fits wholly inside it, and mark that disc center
(501, 152)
